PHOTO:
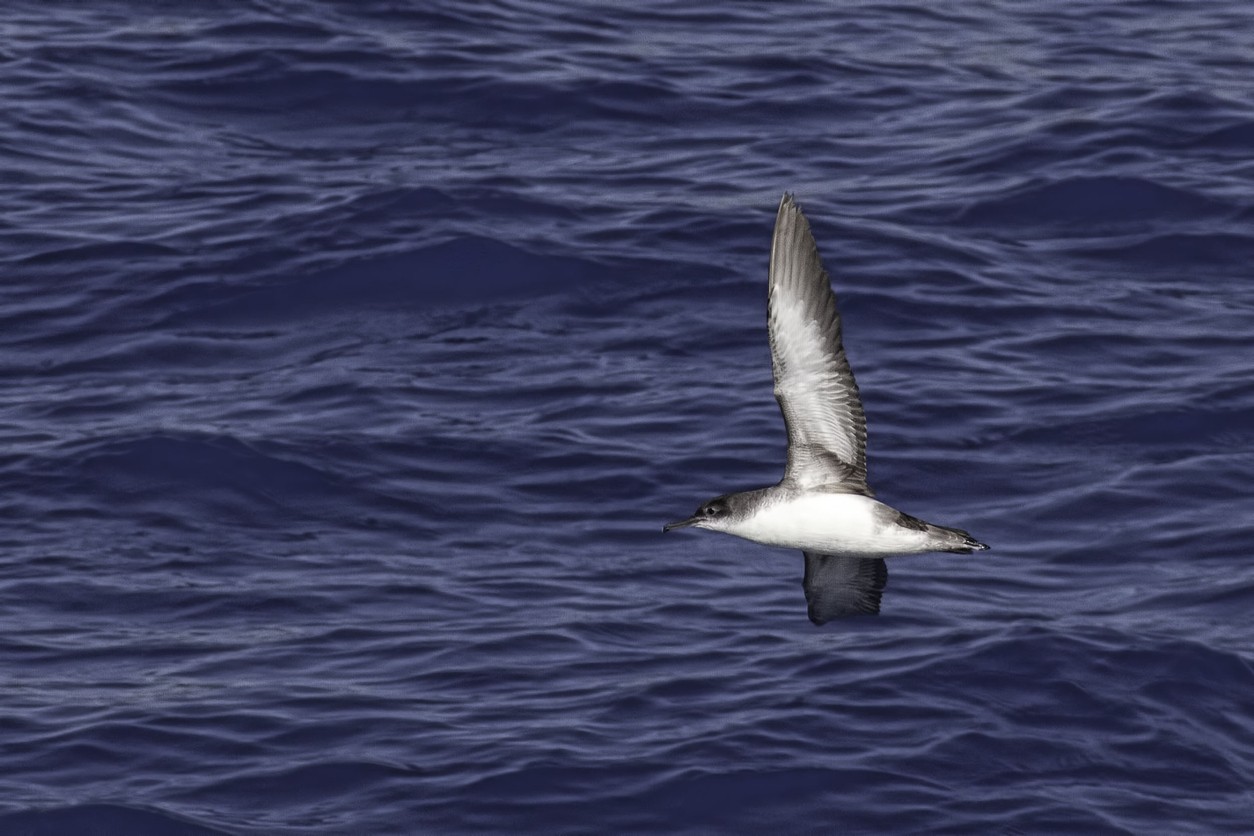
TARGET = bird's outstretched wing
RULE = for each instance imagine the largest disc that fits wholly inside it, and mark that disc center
(813, 382)
(838, 586)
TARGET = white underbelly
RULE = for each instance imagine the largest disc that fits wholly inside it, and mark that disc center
(832, 523)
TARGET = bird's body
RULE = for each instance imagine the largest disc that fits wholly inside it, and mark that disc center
(830, 522)
(823, 505)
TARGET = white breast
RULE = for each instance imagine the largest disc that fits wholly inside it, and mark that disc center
(830, 523)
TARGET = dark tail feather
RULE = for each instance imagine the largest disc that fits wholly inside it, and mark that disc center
(956, 540)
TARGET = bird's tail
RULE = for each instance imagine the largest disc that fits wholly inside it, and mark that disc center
(954, 540)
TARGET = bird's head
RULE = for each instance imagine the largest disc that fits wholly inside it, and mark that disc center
(717, 515)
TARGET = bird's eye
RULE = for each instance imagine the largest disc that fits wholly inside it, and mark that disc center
(709, 510)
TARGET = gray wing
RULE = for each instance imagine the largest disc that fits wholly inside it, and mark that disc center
(837, 586)
(813, 382)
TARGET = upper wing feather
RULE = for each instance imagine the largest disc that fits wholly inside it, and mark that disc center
(813, 382)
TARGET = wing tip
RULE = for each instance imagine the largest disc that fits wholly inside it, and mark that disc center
(791, 222)
(791, 227)
(788, 203)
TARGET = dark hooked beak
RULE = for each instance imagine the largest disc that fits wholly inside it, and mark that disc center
(680, 524)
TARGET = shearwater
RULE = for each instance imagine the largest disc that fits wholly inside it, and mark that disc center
(823, 505)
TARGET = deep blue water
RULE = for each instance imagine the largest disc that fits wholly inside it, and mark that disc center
(352, 356)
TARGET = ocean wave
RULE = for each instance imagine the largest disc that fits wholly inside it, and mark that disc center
(1092, 204)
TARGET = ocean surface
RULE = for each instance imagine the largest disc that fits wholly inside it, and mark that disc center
(352, 356)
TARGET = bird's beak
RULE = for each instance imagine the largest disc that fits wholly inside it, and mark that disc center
(680, 524)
